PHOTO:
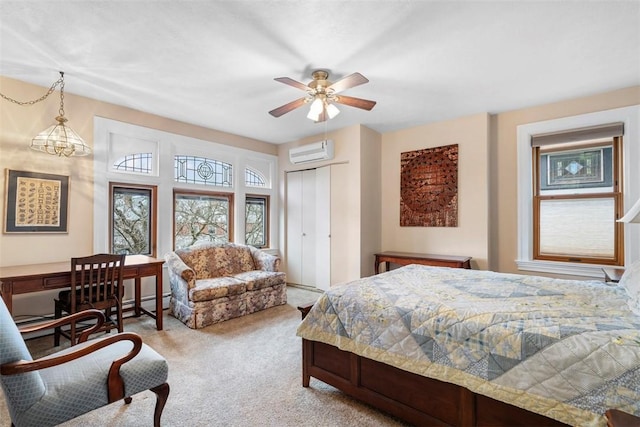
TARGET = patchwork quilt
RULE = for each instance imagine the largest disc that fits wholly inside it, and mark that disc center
(566, 349)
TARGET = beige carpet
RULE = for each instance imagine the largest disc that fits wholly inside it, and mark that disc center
(243, 372)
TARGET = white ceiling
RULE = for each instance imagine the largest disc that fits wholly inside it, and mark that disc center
(212, 63)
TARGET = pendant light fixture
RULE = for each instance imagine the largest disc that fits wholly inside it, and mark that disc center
(59, 139)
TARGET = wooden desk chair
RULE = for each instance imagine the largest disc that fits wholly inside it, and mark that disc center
(97, 284)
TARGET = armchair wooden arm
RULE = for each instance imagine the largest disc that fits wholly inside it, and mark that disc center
(114, 381)
(73, 318)
(38, 396)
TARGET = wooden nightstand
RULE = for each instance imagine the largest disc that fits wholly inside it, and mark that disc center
(612, 274)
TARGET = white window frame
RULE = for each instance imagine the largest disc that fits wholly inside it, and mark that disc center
(168, 145)
(630, 116)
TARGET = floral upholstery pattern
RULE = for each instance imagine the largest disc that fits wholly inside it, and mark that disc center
(211, 283)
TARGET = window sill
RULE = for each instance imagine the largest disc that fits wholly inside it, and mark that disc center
(592, 271)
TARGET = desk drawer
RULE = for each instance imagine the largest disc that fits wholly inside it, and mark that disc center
(55, 282)
(147, 270)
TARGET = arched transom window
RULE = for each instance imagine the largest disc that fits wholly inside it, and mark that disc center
(201, 170)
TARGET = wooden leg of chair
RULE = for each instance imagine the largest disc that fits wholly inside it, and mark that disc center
(56, 333)
(120, 326)
(72, 333)
(107, 314)
(162, 394)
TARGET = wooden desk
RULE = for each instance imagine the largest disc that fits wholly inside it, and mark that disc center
(406, 258)
(24, 279)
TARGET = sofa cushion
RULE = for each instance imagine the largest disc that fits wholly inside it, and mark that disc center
(198, 258)
(218, 287)
(258, 279)
(216, 260)
(229, 259)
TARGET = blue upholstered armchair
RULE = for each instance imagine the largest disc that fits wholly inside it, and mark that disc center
(71, 382)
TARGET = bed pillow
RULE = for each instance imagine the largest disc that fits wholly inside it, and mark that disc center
(630, 281)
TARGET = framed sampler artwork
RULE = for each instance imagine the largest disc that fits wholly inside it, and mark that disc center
(36, 202)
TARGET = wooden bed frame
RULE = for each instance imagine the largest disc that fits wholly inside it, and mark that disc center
(416, 399)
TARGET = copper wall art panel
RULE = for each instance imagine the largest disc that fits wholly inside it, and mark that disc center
(429, 187)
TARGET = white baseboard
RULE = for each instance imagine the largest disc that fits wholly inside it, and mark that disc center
(148, 302)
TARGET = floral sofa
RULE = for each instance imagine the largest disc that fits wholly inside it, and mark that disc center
(211, 283)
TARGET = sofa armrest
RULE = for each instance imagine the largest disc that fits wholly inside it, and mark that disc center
(179, 271)
(265, 261)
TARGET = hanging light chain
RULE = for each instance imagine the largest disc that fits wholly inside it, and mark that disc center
(43, 97)
(61, 110)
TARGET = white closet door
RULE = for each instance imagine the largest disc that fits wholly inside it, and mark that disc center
(294, 227)
(323, 227)
(308, 252)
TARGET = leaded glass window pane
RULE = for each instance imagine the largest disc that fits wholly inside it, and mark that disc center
(590, 167)
(253, 178)
(201, 170)
(137, 162)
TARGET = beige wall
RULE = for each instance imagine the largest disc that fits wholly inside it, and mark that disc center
(503, 160)
(371, 198)
(18, 124)
(471, 236)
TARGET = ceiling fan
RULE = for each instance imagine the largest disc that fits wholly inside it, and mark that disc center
(321, 93)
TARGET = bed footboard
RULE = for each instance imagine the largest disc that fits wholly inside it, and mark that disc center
(410, 397)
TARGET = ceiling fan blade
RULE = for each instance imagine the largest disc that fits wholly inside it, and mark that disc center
(365, 104)
(287, 107)
(291, 82)
(350, 81)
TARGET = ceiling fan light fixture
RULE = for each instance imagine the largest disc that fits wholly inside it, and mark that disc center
(313, 116)
(322, 94)
(332, 111)
(315, 110)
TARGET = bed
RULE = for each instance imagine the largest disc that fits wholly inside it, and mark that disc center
(444, 346)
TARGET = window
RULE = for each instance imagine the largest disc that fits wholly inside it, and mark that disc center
(257, 221)
(202, 217)
(253, 178)
(200, 178)
(200, 170)
(133, 211)
(138, 163)
(577, 196)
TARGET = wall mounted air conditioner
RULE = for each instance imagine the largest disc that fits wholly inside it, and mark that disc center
(321, 150)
